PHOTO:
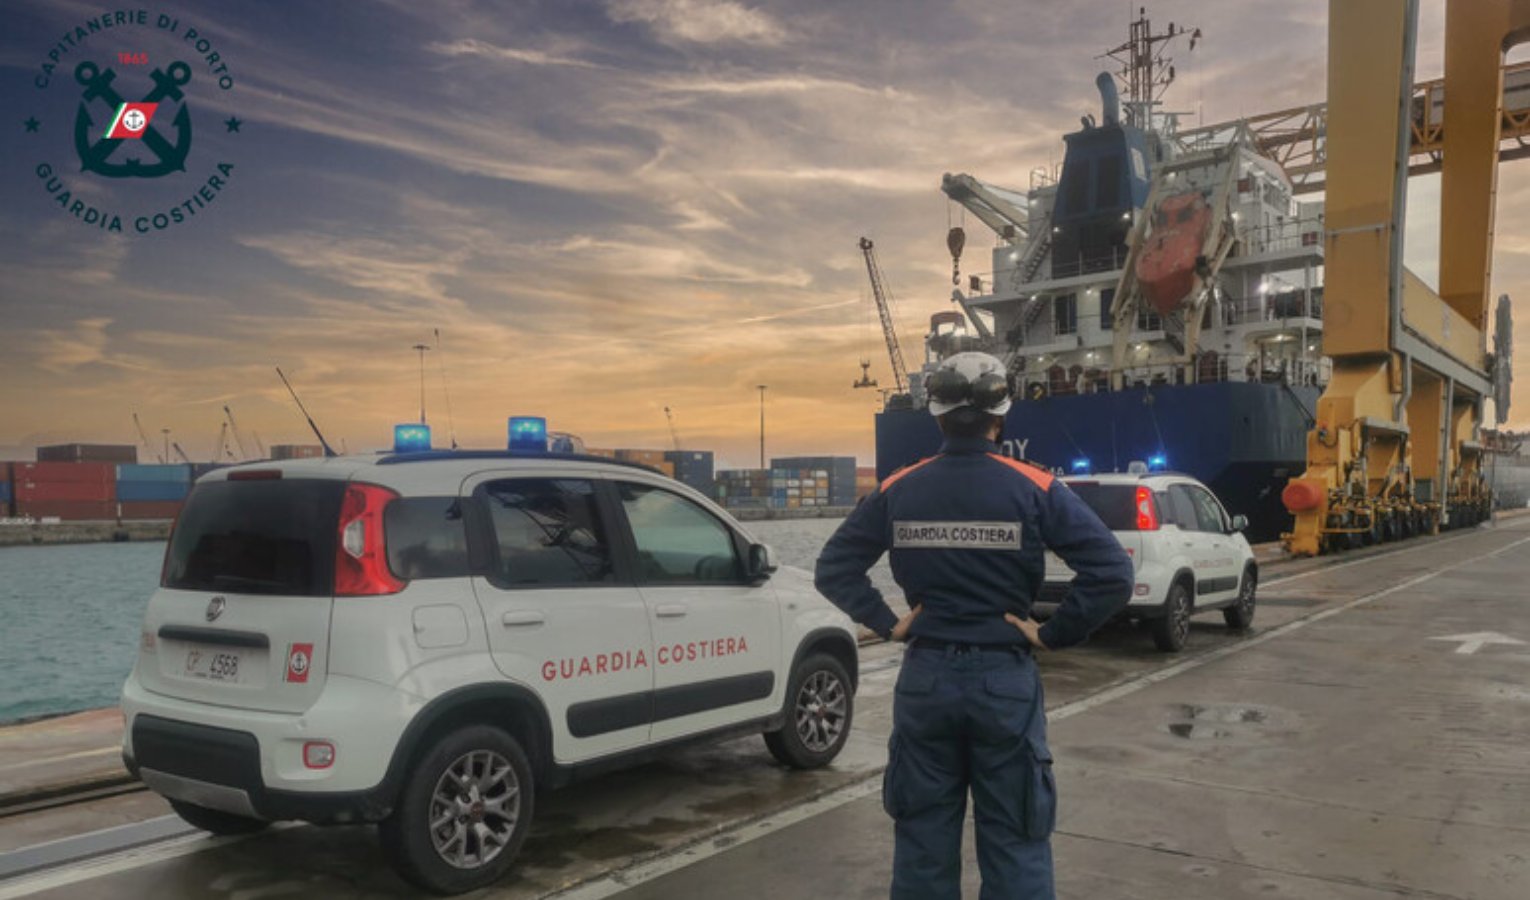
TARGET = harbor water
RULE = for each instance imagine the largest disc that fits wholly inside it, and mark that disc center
(72, 614)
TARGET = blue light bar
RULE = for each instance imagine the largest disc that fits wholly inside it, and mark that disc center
(1081, 465)
(411, 438)
(1158, 462)
(528, 433)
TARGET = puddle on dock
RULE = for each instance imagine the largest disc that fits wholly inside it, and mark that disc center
(1215, 722)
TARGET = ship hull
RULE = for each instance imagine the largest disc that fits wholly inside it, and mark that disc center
(1243, 440)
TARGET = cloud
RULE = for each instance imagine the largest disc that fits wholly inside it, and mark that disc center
(474, 47)
(700, 21)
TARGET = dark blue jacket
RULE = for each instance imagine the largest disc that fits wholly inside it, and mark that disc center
(966, 531)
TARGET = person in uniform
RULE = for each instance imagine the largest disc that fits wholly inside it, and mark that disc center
(966, 530)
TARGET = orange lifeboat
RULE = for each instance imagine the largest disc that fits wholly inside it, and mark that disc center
(1166, 268)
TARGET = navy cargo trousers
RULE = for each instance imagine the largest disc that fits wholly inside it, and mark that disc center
(970, 718)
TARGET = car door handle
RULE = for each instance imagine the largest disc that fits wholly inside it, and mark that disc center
(522, 619)
(671, 610)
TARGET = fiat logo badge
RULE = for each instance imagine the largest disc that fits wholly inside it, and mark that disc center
(215, 608)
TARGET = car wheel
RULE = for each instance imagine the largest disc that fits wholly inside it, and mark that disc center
(216, 820)
(1172, 629)
(463, 813)
(819, 707)
(1240, 615)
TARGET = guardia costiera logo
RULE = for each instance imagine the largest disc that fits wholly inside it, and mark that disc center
(133, 124)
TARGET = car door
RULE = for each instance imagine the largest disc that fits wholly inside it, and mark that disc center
(1216, 561)
(563, 616)
(717, 638)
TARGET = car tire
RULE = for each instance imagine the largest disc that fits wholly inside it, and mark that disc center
(819, 708)
(216, 821)
(1172, 630)
(463, 813)
(1240, 616)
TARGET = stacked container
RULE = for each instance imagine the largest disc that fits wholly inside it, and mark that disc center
(744, 488)
(110, 453)
(296, 451)
(814, 480)
(694, 468)
(152, 492)
(865, 481)
(6, 497)
(65, 490)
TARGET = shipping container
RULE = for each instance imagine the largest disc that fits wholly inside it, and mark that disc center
(79, 473)
(111, 453)
(165, 509)
(296, 451)
(151, 491)
(200, 469)
(71, 510)
(600, 452)
(177, 473)
(29, 491)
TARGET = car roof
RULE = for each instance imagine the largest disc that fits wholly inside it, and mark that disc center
(1149, 479)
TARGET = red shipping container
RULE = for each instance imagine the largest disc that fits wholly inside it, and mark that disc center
(151, 509)
(64, 490)
(68, 509)
(91, 472)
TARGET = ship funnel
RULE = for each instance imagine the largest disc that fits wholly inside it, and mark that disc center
(1108, 96)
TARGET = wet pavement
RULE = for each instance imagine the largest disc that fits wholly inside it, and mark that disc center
(1337, 751)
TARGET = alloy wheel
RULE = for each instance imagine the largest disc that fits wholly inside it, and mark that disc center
(474, 809)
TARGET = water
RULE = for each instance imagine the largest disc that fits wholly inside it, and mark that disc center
(72, 614)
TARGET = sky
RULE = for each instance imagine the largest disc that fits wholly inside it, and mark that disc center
(603, 208)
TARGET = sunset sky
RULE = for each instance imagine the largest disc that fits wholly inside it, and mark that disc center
(605, 207)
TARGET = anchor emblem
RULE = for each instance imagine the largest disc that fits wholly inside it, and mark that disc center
(94, 155)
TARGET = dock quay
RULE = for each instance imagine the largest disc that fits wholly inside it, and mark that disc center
(1353, 650)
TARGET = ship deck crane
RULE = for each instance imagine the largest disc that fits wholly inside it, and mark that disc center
(1393, 450)
(882, 297)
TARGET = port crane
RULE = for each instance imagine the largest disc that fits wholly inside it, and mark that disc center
(674, 435)
(233, 429)
(1394, 449)
(882, 296)
(144, 437)
(176, 446)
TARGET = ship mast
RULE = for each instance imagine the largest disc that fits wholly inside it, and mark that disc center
(1146, 69)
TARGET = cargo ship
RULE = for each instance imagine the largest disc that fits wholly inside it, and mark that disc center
(1158, 299)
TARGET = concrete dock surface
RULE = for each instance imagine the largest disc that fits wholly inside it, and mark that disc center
(1369, 738)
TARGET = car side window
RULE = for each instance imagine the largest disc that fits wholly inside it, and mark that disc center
(547, 533)
(1208, 511)
(1184, 508)
(1167, 514)
(677, 540)
(426, 537)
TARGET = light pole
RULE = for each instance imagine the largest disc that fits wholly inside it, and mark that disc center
(762, 425)
(422, 348)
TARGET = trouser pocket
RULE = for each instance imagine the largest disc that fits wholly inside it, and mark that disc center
(1040, 808)
(890, 803)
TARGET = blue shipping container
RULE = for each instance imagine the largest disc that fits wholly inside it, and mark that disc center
(138, 491)
(5, 492)
(181, 474)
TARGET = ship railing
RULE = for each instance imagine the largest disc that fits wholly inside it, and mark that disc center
(1208, 368)
(1304, 233)
(1273, 305)
(1065, 267)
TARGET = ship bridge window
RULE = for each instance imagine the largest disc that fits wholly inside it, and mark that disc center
(1065, 314)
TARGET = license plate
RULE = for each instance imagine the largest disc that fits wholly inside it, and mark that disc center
(213, 665)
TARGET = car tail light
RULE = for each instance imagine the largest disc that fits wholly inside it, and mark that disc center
(361, 557)
(318, 754)
(1147, 511)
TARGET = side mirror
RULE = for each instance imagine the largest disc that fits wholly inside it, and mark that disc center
(1239, 523)
(762, 563)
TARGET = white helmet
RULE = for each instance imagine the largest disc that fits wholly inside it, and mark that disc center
(969, 379)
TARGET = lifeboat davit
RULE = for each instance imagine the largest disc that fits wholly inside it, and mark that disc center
(1166, 268)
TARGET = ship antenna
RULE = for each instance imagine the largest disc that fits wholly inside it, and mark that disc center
(451, 425)
(328, 450)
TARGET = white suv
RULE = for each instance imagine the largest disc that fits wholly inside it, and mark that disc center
(1189, 555)
(423, 640)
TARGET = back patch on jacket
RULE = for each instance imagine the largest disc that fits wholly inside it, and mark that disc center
(957, 535)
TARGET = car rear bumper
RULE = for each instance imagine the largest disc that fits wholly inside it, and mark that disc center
(1053, 593)
(251, 763)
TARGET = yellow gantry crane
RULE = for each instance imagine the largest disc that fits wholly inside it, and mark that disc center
(1393, 451)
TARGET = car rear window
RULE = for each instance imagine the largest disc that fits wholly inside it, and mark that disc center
(257, 537)
(1115, 504)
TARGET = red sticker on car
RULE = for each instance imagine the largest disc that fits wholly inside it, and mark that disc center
(299, 661)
